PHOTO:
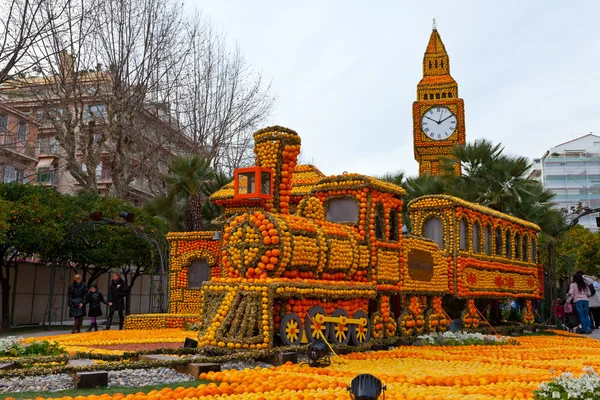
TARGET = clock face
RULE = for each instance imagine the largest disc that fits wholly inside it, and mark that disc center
(438, 123)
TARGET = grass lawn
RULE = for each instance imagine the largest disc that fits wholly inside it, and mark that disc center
(113, 390)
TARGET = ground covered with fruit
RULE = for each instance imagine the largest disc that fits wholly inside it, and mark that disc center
(409, 372)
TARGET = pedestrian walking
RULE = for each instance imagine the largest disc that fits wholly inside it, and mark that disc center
(95, 299)
(77, 292)
(578, 294)
(116, 299)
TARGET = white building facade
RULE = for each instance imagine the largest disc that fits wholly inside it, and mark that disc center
(571, 170)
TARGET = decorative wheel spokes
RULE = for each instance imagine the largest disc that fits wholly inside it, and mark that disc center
(341, 327)
(360, 333)
(316, 328)
(291, 329)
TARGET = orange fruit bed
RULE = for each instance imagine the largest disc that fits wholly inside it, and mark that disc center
(427, 372)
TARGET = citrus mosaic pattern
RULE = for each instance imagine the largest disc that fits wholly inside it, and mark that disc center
(418, 373)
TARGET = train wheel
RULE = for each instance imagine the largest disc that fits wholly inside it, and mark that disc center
(340, 331)
(291, 329)
(360, 334)
(313, 324)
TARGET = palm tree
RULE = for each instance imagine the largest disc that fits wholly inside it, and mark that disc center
(187, 181)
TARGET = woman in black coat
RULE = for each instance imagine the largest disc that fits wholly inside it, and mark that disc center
(117, 293)
(77, 292)
(95, 299)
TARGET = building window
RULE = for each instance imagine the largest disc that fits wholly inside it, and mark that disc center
(476, 237)
(379, 225)
(525, 251)
(444, 95)
(429, 64)
(508, 244)
(442, 63)
(487, 238)
(437, 96)
(394, 231)
(342, 210)
(498, 241)
(463, 234)
(436, 63)
(198, 272)
(517, 246)
(22, 131)
(533, 250)
(46, 175)
(12, 175)
(3, 123)
(48, 145)
(95, 111)
(99, 171)
(433, 229)
(449, 95)
(425, 96)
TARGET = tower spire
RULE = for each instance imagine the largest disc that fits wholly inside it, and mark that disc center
(434, 25)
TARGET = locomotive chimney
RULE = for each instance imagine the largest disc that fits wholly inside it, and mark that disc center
(277, 148)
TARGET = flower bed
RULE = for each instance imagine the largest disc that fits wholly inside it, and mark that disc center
(463, 339)
(415, 372)
(567, 386)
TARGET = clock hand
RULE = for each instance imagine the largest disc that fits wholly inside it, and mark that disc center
(432, 119)
(440, 121)
(445, 119)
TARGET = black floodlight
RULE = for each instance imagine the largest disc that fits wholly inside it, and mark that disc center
(366, 387)
(96, 216)
(127, 216)
(190, 344)
(318, 354)
(598, 222)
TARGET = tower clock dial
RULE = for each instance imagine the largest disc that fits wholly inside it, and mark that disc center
(438, 123)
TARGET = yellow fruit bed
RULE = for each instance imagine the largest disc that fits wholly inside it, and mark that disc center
(88, 342)
(461, 372)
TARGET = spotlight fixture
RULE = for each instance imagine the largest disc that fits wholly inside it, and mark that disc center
(366, 387)
(598, 222)
(190, 344)
(127, 216)
(318, 354)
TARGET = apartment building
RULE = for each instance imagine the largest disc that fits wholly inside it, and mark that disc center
(571, 170)
(18, 140)
(40, 159)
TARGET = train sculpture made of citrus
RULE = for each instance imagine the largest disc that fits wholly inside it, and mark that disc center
(340, 266)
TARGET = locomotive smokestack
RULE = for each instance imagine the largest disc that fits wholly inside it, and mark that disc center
(277, 148)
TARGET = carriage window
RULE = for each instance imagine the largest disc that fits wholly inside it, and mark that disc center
(488, 240)
(498, 241)
(198, 273)
(517, 246)
(379, 228)
(433, 229)
(394, 225)
(525, 249)
(508, 244)
(533, 250)
(464, 232)
(476, 237)
(342, 210)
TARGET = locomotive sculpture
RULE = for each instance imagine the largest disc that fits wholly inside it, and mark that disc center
(339, 265)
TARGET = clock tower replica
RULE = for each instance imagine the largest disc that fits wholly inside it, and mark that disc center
(438, 113)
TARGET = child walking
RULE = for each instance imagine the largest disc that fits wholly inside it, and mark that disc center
(95, 299)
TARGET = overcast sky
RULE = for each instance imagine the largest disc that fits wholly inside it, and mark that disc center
(345, 72)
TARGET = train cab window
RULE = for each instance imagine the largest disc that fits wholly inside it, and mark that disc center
(464, 233)
(394, 225)
(342, 210)
(379, 224)
(433, 229)
(498, 241)
(533, 250)
(525, 252)
(198, 273)
(508, 244)
(476, 237)
(487, 238)
(517, 246)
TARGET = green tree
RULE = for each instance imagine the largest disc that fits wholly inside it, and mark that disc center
(582, 249)
(36, 221)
